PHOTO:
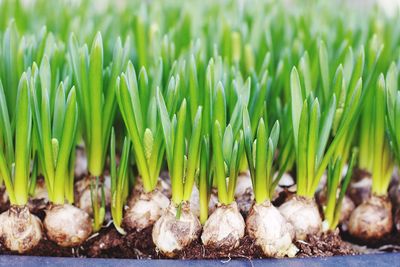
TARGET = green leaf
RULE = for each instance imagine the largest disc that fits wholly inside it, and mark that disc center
(5, 128)
(302, 177)
(248, 142)
(220, 105)
(326, 126)
(227, 144)
(125, 104)
(297, 103)
(260, 189)
(312, 142)
(178, 156)
(219, 164)
(66, 145)
(59, 112)
(324, 68)
(148, 142)
(166, 125)
(193, 155)
(95, 151)
(22, 142)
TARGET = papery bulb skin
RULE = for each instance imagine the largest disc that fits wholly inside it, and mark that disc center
(20, 230)
(271, 231)
(244, 192)
(347, 209)
(81, 162)
(360, 190)
(83, 196)
(224, 228)
(195, 202)
(145, 209)
(171, 234)
(372, 219)
(67, 225)
(304, 215)
(41, 190)
(286, 188)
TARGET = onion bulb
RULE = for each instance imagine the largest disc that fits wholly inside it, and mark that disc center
(304, 215)
(171, 234)
(224, 228)
(20, 230)
(271, 231)
(67, 225)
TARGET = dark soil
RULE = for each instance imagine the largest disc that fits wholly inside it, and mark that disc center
(328, 244)
(387, 243)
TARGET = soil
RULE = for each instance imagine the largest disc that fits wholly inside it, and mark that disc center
(328, 244)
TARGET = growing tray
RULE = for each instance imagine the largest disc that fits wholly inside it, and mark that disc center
(384, 259)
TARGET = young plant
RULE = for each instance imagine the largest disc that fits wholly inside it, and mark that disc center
(225, 226)
(265, 224)
(373, 219)
(96, 96)
(311, 130)
(119, 182)
(20, 230)
(138, 107)
(183, 163)
(336, 191)
(65, 224)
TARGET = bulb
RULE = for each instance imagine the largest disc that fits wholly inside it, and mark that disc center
(271, 231)
(304, 215)
(371, 220)
(224, 228)
(83, 189)
(145, 209)
(67, 225)
(171, 234)
(21, 231)
(244, 192)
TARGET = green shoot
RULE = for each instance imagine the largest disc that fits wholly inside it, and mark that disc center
(311, 130)
(260, 154)
(382, 157)
(99, 209)
(205, 180)
(136, 102)
(119, 182)
(228, 152)
(96, 98)
(182, 166)
(336, 190)
(16, 171)
(56, 140)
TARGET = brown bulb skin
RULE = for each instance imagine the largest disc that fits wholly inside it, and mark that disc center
(304, 215)
(372, 219)
(20, 230)
(224, 228)
(270, 230)
(171, 234)
(67, 225)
